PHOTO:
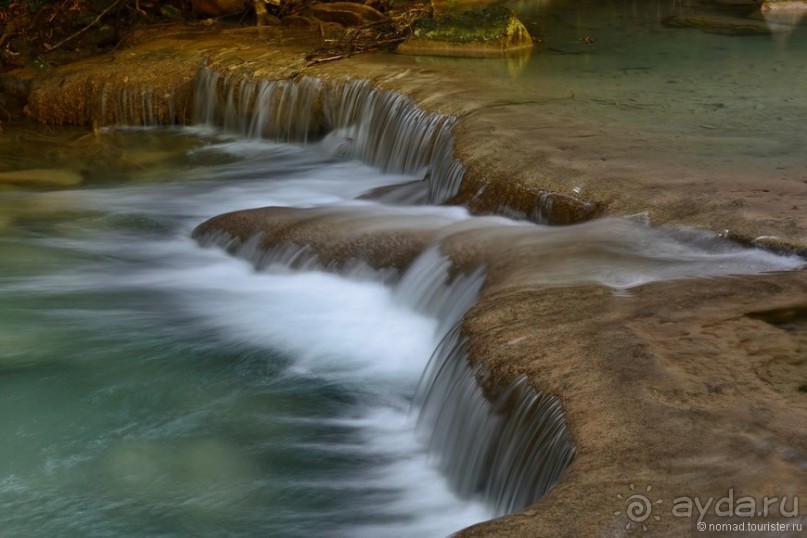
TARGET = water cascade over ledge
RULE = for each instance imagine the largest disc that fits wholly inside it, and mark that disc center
(506, 445)
(380, 366)
(382, 128)
(509, 452)
(469, 436)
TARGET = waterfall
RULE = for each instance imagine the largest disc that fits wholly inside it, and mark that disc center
(509, 450)
(382, 128)
(140, 105)
(506, 444)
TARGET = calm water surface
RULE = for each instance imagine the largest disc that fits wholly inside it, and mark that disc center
(718, 102)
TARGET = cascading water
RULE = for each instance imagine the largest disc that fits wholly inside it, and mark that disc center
(510, 453)
(381, 128)
(197, 393)
(154, 388)
(388, 131)
(506, 453)
(506, 447)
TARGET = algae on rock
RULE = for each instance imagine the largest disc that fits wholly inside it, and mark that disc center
(492, 30)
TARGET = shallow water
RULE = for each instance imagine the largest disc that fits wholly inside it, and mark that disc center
(715, 102)
(739, 95)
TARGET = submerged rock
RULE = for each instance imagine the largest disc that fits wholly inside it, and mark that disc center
(491, 31)
(719, 24)
(170, 12)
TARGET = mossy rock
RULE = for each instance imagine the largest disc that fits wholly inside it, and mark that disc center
(490, 31)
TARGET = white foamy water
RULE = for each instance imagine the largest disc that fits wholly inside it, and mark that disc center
(193, 394)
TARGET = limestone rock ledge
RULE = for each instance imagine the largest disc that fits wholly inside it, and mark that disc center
(692, 387)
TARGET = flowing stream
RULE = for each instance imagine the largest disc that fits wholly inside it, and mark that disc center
(153, 387)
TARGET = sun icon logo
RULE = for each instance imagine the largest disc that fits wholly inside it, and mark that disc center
(638, 507)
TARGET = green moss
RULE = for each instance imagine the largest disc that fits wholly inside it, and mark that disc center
(485, 25)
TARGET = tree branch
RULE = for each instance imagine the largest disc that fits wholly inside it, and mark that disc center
(93, 23)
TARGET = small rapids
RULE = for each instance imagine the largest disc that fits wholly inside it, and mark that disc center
(153, 387)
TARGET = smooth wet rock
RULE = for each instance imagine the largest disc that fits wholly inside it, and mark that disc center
(218, 8)
(147, 85)
(310, 231)
(701, 378)
(346, 13)
(297, 21)
(491, 31)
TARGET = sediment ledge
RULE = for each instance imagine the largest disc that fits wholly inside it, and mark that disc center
(690, 387)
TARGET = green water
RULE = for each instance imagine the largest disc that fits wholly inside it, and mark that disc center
(149, 387)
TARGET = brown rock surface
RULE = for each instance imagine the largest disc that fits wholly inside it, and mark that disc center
(395, 247)
(218, 8)
(684, 386)
(784, 5)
